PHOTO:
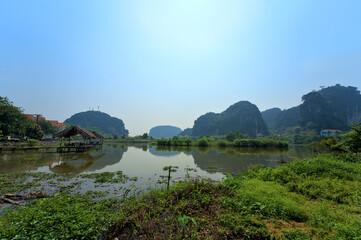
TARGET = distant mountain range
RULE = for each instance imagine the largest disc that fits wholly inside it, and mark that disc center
(100, 120)
(334, 107)
(164, 131)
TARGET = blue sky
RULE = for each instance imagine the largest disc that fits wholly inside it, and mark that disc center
(168, 62)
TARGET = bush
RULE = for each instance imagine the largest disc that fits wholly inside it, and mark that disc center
(222, 143)
(32, 142)
(203, 142)
(61, 217)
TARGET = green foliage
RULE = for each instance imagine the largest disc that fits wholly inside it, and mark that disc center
(108, 177)
(62, 217)
(34, 131)
(166, 179)
(176, 141)
(206, 142)
(145, 136)
(267, 199)
(230, 136)
(12, 120)
(47, 127)
(203, 142)
(32, 142)
(351, 141)
(222, 143)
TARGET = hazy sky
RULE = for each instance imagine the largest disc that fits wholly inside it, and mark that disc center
(168, 62)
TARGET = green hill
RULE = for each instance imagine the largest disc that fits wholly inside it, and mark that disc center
(100, 120)
(334, 107)
(164, 131)
(242, 116)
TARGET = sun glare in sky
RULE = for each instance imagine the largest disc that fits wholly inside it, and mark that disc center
(154, 63)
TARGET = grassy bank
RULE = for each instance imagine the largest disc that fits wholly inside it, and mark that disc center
(206, 142)
(314, 199)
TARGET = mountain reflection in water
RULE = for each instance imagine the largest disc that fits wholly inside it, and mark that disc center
(147, 160)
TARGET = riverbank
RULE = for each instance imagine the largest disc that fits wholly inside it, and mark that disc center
(317, 198)
(210, 142)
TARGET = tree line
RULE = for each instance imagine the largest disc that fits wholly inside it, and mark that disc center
(14, 123)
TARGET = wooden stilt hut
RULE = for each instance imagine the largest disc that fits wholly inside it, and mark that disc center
(75, 130)
(99, 137)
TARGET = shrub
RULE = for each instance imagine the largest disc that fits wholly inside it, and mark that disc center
(202, 142)
(32, 142)
(222, 143)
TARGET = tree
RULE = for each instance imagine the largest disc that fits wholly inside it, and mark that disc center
(230, 136)
(34, 131)
(12, 120)
(352, 140)
(145, 136)
(47, 127)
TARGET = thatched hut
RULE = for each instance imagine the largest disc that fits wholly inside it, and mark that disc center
(99, 137)
(73, 131)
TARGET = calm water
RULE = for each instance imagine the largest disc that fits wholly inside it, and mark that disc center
(147, 162)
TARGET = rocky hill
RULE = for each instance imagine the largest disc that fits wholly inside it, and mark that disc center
(164, 131)
(334, 107)
(288, 118)
(269, 117)
(100, 120)
(242, 116)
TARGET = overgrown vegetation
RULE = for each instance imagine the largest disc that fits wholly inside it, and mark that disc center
(300, 200)
(64, 216)
(313, 199)
(348, 142)
(205, 142)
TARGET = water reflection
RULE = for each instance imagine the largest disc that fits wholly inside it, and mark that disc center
(25, 162)
(83, 162)
(144, 159)
(235, 160)
(163, 151)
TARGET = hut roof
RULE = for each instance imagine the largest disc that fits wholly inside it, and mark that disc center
(74, 130)
(99, 135)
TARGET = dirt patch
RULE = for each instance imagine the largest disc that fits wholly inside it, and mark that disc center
(15, 198)
(277, 227)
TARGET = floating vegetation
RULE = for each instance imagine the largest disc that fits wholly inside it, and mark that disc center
(212, 169)
(109, 177)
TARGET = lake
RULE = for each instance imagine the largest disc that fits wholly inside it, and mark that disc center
(147, 162)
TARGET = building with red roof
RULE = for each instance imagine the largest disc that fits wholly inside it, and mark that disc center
(37, 117)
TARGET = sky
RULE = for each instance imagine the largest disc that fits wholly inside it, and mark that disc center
(167, 62)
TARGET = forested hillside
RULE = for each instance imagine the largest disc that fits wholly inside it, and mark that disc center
(100, 120)
(334, 107)
(242, 116)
